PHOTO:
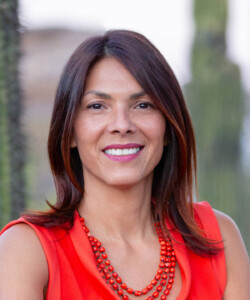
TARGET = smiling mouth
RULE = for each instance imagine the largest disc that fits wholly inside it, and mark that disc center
(121, 152)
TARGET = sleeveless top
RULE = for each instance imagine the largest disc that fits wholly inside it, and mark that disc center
(73, 273)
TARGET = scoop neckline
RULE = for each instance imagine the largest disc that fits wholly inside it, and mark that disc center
(180, 251)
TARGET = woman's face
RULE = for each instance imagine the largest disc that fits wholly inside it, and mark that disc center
(118, 130)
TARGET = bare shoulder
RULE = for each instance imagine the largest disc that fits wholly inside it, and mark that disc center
(237, 260)
(24, 269)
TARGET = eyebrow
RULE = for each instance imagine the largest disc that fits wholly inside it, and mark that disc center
(107, 96)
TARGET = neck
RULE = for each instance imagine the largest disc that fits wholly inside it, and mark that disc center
(118, 214)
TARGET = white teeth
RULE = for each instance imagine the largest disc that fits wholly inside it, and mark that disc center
(120, 152)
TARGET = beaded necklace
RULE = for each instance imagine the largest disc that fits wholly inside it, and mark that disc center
(163, 279)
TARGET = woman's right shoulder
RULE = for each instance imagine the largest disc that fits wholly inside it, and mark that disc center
(24, 269)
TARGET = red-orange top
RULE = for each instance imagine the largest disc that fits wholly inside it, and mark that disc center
(73, 273)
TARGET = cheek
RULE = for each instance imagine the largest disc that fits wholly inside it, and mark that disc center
(86, 130)
(156, 129)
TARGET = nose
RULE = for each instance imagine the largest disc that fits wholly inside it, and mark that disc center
(121, 121)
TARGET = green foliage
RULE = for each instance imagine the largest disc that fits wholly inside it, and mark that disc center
(216, 102)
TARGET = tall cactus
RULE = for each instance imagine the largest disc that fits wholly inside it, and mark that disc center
(12, 145)
(215, 98)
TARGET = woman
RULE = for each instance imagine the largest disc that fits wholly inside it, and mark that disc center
(122, 152)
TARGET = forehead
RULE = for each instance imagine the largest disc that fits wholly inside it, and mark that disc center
(109, 75)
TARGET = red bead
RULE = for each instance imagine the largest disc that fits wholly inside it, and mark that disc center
(163, 242)
(104, 256)
(105, 271)
(164, 276)
(130, 291)
(173, 264)
(159, 288)
(102, 249)
(125, 297)
(155, 294)
(99, 260)
(166, 270)
(160, 271)
(123, 286)
(118, 280)
(171, 274)
(157, 276)
(95, 248)
(163, 252)
(102, 266)
(107, 262)
(168, 265)
(172, 270)
(166, 292)
(107, 276)
(98, 244)
(149, 287)
(171, 280)
(97, 254)
(115, 275)
(120, 292)
(111, 268)
(144, 291)
(169, 286)
(111, 281)
(86, 229)
(115, 286)
(162, 265)
(163, 297)
(172, 258)
(163, 282)
(154, 282)
(138, 293)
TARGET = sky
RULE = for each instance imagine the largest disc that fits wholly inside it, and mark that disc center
(168, 24)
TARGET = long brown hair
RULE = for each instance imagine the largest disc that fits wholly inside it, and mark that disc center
(175, 175)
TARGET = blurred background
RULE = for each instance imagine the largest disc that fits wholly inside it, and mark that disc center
(207, 43)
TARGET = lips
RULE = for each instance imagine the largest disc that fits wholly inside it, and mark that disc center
(125, 146)
(124, 152)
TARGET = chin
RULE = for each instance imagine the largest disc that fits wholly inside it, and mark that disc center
(125, 182)
(122, 182)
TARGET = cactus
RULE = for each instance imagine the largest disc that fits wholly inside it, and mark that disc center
(12, 154)
(216, 101)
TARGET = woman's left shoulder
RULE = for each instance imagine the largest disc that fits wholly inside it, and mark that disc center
(229, 229)
(237, 260)
(230, 233)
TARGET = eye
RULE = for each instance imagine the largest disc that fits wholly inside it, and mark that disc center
(145, 105)
(95, 106)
